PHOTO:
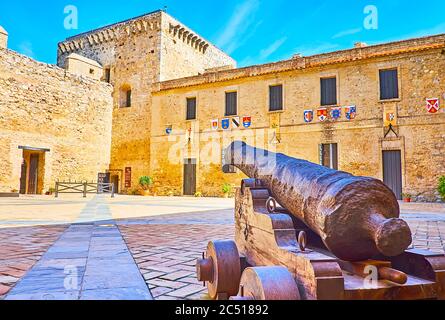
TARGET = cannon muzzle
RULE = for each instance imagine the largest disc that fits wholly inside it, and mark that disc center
(356, 217)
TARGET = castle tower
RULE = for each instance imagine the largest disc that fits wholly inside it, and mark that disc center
(3, 38)
(134, 55)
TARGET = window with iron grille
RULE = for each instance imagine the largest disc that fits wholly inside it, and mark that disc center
(329, 155)
(276, 98)
(389, 84)
(328, 91)
(231, 104)
(191, 108)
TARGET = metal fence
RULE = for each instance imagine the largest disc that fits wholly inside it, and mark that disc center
(84, 188)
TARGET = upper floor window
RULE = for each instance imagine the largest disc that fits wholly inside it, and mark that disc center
(329, 155)
(328, 91)
(231, 103)
(125, 97)
(191, 109)
(107, 75)
(389, 84)
(276, 98)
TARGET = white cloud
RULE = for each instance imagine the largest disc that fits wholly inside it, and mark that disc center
(26, 48)
(236, 31)
(265, 53)
(348, 32)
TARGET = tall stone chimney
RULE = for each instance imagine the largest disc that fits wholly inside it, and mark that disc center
(3, 38)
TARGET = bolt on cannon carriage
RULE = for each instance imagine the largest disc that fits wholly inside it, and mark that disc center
(308, 232)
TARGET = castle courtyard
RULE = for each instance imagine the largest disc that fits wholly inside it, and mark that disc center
(130, 247)
(144, 161)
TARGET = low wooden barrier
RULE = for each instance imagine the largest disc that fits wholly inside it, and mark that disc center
(84, 188)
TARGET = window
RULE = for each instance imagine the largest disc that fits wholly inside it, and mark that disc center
(329, 155)
(107, 75)
(191, 108)
(231, 104)
(125, 97)
(389, 84)
(276, 98)
(328, 91)
(91, 71)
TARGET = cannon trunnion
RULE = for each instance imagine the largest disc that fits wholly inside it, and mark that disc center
(277, 257)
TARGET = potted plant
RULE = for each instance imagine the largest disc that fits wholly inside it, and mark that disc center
(198, 194)
(441, 187)
(226, 189)
(50, 191)
(145, 183)
(406, 197)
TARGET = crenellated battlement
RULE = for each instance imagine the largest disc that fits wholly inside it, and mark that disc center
(143, 24)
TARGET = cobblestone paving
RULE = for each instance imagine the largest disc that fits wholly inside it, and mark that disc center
(20, 249)
(166, 249)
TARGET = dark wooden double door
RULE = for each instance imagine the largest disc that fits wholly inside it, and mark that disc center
(189, 187)
(29, 177)
(392, 171)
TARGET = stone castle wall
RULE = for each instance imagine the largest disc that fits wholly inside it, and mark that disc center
(421, 135)
(140, 52)
(43, 106)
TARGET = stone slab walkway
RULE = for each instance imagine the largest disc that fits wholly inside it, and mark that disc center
(89, 261)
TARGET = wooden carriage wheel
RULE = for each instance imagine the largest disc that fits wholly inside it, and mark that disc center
(267, 283)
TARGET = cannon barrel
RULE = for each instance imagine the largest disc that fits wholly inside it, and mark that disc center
(356, 217)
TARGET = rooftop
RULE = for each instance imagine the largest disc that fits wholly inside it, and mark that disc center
(359, 52)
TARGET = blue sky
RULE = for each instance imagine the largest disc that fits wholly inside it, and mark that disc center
(251, 31)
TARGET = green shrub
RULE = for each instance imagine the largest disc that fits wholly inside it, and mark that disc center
(145, 182)
(198, 195)
(227, 188)
(441, 187)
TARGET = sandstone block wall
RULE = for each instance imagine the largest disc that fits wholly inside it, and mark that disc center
(43, 106)
(140, 52)
(361, 142)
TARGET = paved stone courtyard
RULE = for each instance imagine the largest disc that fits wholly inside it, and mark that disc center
(129, 247)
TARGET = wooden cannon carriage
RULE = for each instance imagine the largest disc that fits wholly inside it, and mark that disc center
(315, 253)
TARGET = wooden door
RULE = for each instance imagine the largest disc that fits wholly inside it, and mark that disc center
(33, 173)
(392, 171)
(190, 177)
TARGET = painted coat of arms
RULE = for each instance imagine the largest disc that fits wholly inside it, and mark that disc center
(336, 113)
(322, 114)
(215, 124)
(247, 122)
(432, 105)
(225, 124)
(308, 116)
(351, 112)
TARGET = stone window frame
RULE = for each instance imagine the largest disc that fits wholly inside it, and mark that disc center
(327, 75)
(390, 65)
(123, 96)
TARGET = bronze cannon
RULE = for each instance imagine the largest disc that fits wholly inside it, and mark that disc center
(303, 231)
(356, 217)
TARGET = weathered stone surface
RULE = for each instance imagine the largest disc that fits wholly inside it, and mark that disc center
(140, 52)
(360, 142)
(43, 106)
